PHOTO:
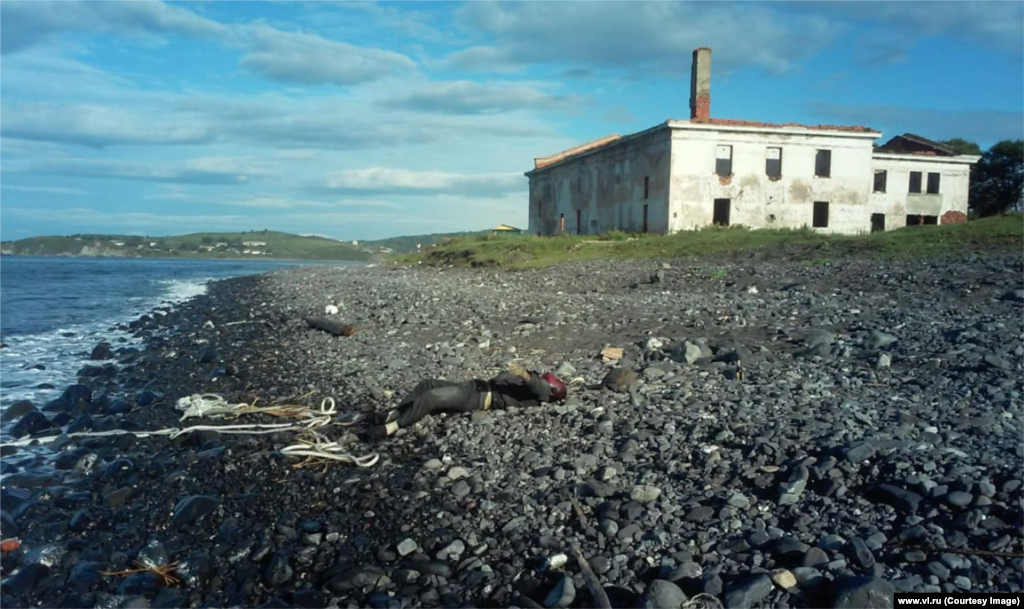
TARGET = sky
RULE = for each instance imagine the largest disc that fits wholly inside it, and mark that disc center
(364, 120)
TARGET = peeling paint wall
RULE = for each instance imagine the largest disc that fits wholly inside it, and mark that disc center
(758, 201)
(897, 201)
(606, 187)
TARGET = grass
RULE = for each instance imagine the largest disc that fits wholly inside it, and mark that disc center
(990, 234)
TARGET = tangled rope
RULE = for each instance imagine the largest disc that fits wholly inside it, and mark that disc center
(316, 446)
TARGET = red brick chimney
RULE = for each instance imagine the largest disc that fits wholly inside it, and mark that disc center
(700, 85)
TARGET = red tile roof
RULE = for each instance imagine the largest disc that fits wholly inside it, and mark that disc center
(593, 145)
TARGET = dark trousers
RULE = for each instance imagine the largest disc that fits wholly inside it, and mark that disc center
(434, 396)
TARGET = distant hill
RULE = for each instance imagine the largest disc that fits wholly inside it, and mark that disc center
(248, 245)
(407, 244)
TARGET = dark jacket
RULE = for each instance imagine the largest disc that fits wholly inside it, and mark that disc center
(508, 389)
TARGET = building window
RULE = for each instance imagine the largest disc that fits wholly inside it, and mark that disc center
(823, 164)
(773, 163)
(915, 182)
(877, 223)
(561, 222)
(647, 187)
(881, 176)
(933, 183)
(821, 214)
(723, 161)
(721, 214)
(579, 224)
(540, 208)
(929, 220)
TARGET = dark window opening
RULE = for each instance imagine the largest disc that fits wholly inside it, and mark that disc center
(645, 218)
(880, 179)
(823, 164)
(647, 187)
(915, 182)
(821, 214)
(921, 220)
(773, 164)
(540, 208)
(933, 183)
(877, 223)
(723, 161)
(561, 222)
(579, 224)
(721, 215)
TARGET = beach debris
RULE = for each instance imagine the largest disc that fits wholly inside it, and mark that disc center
(330, 310)
(609, 354)
(163, 572)
(10, 545)
(331, 327)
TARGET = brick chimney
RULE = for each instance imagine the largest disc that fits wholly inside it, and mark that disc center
(700, 85)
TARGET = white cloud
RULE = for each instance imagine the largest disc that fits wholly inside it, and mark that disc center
(26, 24)
(469, 97)
(985, 126)
(95, 126)
(637, 36)
(296, 57)
(46, 190)
(402, 181)
(203, 170)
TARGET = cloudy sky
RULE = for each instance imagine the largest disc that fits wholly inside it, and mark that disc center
(367, 120)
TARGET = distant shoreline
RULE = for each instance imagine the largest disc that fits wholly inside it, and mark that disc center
(232, 258)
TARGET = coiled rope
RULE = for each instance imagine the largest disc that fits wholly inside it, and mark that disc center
(317, 446)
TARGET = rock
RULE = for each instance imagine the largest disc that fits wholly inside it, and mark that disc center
(747, 592)
(791, 489)
(877, 340)
(959, 499)
(26, 579)
(562, 595)
(619, 380)
(901, 499)
(739, 501)
(995, 361)
(461, 488)
(30, 424)
(84, 574)
(594, 488)
(565, 371)
(814, 557)
(883, 361)
(433, 464)
(864, 593)
(102, 351)
(406, 546)
(660, 594)
(357, 578)
(861, 554)
(193, 509)
(645, 493)
(861, 451)
(452, 551)
(458, 473)
(277, 571)
(19, 409)
(784, 578)
(699, 513)
(1013, 295)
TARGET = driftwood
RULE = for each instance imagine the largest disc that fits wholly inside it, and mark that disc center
(597, 592)
(331, 327)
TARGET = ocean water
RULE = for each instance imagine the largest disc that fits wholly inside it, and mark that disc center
(53, 311)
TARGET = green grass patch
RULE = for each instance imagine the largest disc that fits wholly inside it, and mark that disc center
(999, 234)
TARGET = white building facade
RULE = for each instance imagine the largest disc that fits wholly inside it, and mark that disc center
(689, 174)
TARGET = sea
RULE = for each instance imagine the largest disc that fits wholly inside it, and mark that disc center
(53, 311)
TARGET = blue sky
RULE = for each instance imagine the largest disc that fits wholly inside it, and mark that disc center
(368, 120)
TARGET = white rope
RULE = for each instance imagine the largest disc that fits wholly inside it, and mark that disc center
(214, 405)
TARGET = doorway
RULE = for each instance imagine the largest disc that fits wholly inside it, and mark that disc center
(645, 218)
(579, 222)
(721, 215)
(877, 223)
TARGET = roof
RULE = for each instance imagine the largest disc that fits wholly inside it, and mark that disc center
(608, 140)
(507, 227)
(908, 143)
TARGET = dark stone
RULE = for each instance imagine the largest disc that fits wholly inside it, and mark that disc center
(82, 521)
(19, 409)
(860, 554)
(594, 488)
(661, 593)
(148, 398)
(959, 499)
(82, 423)
(357, 578)
(699, 513)
(84, 574)
(139, 583)
(619, 380)
(901, 499)
(31, 423)
(26, 579)
(278, 571)
(814, 557)
(748, 592)
(859, 452)
(207, 355)
(193, 509)
(863, 592)
(101, 351)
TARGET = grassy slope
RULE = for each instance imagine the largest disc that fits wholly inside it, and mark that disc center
(1001, 233)
(408, 243)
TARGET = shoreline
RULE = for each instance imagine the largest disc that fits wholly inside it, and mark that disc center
(486, 498)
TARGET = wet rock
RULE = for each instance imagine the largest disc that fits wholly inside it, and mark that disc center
(191, 510)
(26, 579)
(102, 351)
(901, 499)
(19, 409)
(645, 493)
(699, 513)
(355, 579)
(864, 593)
(562, 595)
(84, 574)
(661, 593)
(748, 592)
(877, 339)
(207, 355)
(32, 423)
(859, 452)
(277, 571)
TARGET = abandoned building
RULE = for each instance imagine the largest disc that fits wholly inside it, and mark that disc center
(688, 174)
